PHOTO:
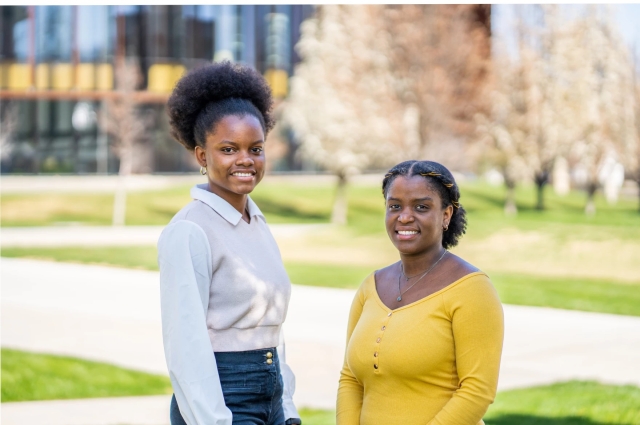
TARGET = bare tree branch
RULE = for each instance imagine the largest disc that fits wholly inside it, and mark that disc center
(122, 119)
(382, 84)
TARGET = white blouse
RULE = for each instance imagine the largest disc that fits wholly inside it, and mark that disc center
(223, 287)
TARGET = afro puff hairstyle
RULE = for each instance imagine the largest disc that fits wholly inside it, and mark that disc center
(207, 94)
(440, 179)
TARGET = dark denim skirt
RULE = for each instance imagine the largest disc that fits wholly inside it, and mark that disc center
(251, 385)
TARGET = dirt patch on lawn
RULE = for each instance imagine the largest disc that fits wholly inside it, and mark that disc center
(538, 253)
(509, 250)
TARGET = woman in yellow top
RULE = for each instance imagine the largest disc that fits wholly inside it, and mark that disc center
(425, 334)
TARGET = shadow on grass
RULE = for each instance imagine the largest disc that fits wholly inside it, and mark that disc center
(516, 419)
(268, 206)
(493, 199)
(167, 212)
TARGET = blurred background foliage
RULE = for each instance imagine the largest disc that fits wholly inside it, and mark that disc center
(550, 97)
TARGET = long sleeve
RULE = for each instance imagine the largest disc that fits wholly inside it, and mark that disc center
(289, 381)
(478, 330)
(350, 391)
(184, 258)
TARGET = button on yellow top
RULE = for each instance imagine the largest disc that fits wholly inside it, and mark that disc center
(269, 354)
(389, 314)
(378, 340)
(269, 361)
(384, 327)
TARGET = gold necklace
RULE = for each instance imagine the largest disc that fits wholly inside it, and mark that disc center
(401, 293)
(405, 276)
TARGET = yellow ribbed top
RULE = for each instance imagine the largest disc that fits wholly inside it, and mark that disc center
(432, 362)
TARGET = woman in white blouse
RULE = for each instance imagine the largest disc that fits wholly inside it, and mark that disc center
(224, 289)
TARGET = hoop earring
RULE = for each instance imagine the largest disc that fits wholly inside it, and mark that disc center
(203, 171)
(446, 227)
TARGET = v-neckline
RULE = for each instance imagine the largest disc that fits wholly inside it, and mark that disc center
(439, 291)
(248, 214)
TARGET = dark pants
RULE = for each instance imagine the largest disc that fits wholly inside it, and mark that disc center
(252, 388)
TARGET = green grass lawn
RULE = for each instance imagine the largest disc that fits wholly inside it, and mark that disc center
(568, 403)
(30, 376)
(134, 257)
(289, 202)
(317, 416)
(597, 295)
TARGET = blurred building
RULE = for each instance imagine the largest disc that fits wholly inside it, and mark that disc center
(57, 68)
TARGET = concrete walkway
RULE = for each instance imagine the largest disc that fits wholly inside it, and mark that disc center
(91, 183)
(79, 235)
(150, 410)
(113, 315)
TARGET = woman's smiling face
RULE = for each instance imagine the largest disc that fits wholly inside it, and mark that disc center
(414, 215)
(234, 156)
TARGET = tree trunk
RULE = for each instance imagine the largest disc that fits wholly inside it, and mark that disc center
(120, 202)
(510, 207)
(638, 182)
(339, 213)
(590, 208)
(120, 198)
(541, 179)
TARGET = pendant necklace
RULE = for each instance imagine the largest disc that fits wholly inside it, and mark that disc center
(401, 293)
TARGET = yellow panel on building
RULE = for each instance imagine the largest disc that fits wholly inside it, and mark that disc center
(62, 76)
(17, 76)
(85, 76)
(163, 77)
(178, 72)
(4, 77)
(104, 76)
(43, 76)
(278, 80)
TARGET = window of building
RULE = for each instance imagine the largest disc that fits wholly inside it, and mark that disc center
(94, 36)
(14, 34)
(54, 26)
(199, 32)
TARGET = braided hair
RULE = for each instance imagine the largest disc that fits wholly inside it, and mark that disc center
(206, 95)
(441, 180)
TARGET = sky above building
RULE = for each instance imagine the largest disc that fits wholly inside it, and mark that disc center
(626, 17)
